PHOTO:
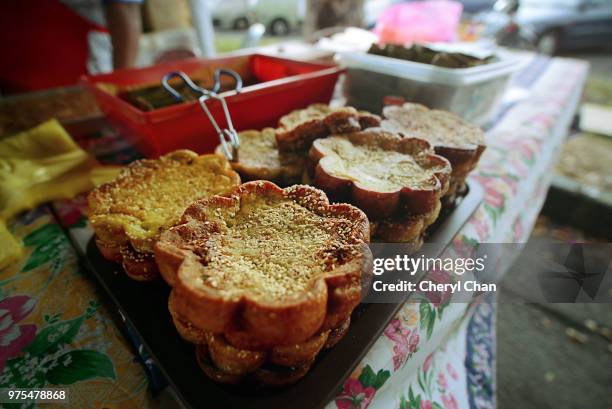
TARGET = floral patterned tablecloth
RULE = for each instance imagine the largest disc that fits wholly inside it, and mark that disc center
(55, 329)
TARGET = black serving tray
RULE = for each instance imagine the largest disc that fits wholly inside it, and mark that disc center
(144, 307)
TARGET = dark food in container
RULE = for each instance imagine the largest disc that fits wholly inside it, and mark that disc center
(426, 55)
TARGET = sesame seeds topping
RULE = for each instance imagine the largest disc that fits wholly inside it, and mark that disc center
(271, 247)
(300, 116)
(150, 195)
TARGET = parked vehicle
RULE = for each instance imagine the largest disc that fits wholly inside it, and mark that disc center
(231, 14)
(554, 25)
(280, 17)
(476, 6)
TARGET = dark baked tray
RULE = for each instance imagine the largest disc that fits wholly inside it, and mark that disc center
(144, 307)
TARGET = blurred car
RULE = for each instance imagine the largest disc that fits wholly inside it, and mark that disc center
(231, 14)
(476, 6)
(556, 24)
(279, 17)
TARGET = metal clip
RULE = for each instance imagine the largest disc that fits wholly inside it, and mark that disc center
(227, 136)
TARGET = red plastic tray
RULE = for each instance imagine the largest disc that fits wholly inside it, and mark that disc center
(282, 85)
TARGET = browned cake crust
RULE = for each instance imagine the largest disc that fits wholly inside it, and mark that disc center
(408, 229)
(209, 368)
(128, 213)
(381, 173)
(185, 328)
(226, 363)
(275, 376)
(227, 355)
(266, 266)
(259, 159)
(457, 140)
(336, 334)
(138, 266)
(269, 375)
(242, 361)
(298, 129)
(232, 360)
(110, 251)
(299, 354)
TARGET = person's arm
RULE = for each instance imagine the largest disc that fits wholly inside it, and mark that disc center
(124, 25)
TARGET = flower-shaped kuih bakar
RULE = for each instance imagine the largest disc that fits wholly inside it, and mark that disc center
(279, 365)
(266, 266)
(259, 159)
(383, 174)
(150, 195)
(452, 137)
(297, 130)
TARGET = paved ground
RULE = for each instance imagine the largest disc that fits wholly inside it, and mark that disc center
(541, 367)
(554, 356)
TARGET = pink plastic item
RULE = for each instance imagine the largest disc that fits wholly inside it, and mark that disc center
(419, 22)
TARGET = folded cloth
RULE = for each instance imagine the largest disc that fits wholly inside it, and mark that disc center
(10, 250)
(41, 165)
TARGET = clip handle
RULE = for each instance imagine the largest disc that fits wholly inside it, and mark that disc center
(227, 72)
(180, 74)
(228, 136)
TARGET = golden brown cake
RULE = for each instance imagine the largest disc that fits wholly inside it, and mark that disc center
(298, 129)
(381, 173)
(259, 159)
(407, 229)
(266, 266)
(451, 137)
(228, 364)
(185, 328)
(147, 197)
(241, 361)
(268, 374)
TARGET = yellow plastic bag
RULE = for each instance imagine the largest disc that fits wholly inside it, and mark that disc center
(10, 250)
(42, 165)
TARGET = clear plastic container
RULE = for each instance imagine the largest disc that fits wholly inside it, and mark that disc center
(472, 93)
